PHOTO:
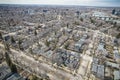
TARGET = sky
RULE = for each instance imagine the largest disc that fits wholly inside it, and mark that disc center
(65, 2)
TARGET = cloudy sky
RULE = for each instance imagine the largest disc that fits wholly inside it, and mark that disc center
(65, 2)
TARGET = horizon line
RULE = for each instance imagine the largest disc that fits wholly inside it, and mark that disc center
(56, 5)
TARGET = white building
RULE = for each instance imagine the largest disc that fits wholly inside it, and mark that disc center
(103, 16)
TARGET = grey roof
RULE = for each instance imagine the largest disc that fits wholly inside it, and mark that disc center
(116, 54)
(116, 75)
(101, 46)
(100, 70)
(94, 67)
(15, 77)
(95, 60)
(4, 71)
(112, 64)
(81, 41)
(100, 14)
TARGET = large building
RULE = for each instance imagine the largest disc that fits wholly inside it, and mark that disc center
(103, 16)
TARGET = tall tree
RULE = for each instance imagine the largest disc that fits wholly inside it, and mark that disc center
(12, 39)
(67, 25)
(7, 58)
(47, 43)
(115, 24)
(7, 46)
(30, 51)
(34, 78)
(35, 32)
(19, 43)
(81, 19)
(66, 45)
(10, 64)
(1, 36)
(13, 68)
(118, 36)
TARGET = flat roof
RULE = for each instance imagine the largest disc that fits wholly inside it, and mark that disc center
(116, 75)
